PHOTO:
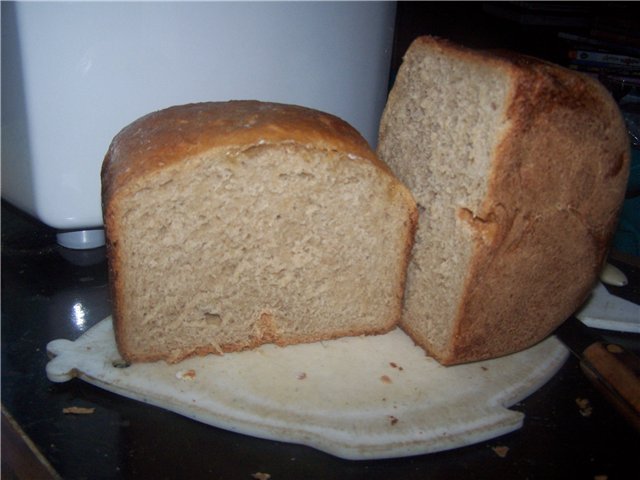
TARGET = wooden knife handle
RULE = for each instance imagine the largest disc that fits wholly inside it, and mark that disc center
(616, 373)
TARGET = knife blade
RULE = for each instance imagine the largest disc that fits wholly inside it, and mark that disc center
(613, 370)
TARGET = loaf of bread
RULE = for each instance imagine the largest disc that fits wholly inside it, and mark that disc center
(234, 224)
(519, 168)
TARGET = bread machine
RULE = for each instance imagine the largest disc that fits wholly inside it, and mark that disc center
(74, 74)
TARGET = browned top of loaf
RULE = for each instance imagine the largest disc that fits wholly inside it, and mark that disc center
(540, 86)
(173, 134)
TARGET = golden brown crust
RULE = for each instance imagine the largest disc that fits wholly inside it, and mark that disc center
(169, 136)
(556, 186)
(551, 238)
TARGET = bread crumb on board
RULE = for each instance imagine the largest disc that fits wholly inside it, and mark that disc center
(78, 410)
(385, 379)
(501, 450)
(261, 476)
(186, 374)
(395, 365)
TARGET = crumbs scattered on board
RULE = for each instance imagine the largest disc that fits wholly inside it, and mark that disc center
(392, 420)
(385, 379)
(501, 450)
(585, 406)
(395, 365)
(261, 476)
(78, 410)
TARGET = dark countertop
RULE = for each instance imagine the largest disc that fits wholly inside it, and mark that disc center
(49, 293)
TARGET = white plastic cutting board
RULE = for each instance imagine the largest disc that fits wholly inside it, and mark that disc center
(356, 398)
(610, 312)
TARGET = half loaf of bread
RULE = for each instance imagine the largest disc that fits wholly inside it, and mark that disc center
(234, 224)
(519, 168)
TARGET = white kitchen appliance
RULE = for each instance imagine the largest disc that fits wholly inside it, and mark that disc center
(75, 73)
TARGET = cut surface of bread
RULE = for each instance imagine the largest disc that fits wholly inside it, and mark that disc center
(235, 224)
(519, 168)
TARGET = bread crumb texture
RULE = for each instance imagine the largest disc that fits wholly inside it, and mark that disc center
(257, 238)
(584, 406)
(186, 374)
(261, 476)
(78, 410)
(501, 450)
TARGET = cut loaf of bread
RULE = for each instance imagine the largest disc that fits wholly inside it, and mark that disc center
(234, 224)
(519, 168)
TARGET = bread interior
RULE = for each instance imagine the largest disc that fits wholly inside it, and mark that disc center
(235, 248)
(439, 135)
